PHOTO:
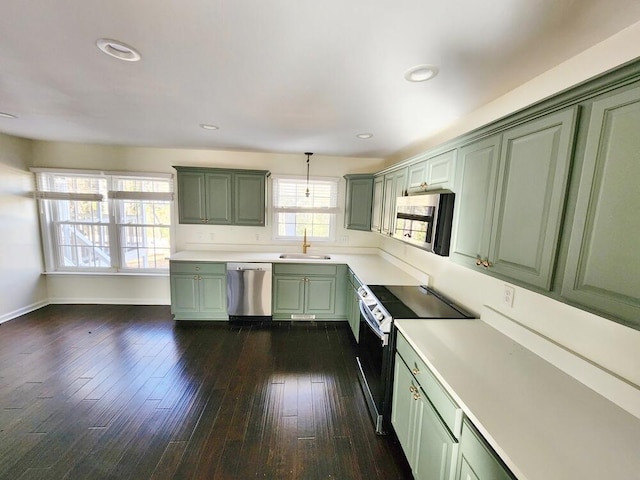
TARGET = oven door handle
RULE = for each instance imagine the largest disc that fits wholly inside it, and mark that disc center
(372, 324)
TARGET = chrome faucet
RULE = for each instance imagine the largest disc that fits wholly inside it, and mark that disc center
(305, 245)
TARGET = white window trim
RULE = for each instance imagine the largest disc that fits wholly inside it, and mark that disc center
(334, 211)
(53, 265)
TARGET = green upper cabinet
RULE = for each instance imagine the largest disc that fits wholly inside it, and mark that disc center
(603, 263)
(249, 198)
(191, 188)
(475, 194)
(376, 209)
(434, 173)
(217, 198)
(532, 186)
(358, 202)
(221, 197)
(395, 185)
(517, 234)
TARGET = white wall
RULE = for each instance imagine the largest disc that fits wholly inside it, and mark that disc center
(22, 287)
(617, 50)
(155, 290)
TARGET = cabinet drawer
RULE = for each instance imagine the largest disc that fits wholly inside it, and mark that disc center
(194, 267)
(304, 269)
(446, 407)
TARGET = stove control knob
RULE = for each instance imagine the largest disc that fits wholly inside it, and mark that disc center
(378, 314)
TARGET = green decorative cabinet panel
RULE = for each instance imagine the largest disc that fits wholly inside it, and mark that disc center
(353, 304)
(476, 460)
(217, 196)
(603, 264)
(358, 202)
(308, 292)
(517, 234)
(198, 291)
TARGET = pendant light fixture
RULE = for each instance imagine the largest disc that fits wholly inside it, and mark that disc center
(308, 154)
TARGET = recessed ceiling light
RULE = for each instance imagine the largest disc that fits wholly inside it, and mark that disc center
(421, 73)
(118, 49)
(206, 126)
(364, 136)
(7, 115)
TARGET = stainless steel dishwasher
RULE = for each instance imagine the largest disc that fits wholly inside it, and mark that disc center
(249, 291)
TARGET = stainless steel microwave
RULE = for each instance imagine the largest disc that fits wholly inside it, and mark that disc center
(425, 220)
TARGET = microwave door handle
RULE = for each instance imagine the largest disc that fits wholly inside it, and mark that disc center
(372, 324)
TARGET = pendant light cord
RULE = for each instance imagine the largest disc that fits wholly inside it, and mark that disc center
(308, 154)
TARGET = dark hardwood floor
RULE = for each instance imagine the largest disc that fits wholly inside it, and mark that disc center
(115, 392)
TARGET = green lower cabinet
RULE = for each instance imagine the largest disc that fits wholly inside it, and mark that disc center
(198, 291)
(476, 460)
(430, 448)
(309, 292)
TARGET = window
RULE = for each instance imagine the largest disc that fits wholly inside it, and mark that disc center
(97, 221)
(294, 211)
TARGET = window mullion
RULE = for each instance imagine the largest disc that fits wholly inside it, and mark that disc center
(114, 233)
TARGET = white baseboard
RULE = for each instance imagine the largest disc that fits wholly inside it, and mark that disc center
(108, 301)
(23, 311)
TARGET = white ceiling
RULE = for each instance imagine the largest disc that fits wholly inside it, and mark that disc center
(278, 75)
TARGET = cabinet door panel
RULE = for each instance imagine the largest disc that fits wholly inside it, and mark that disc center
(320, 295)
(358, 204)
(603, 263)
(475, 195)
(417, 175)
(378, 196)
(213, 294)
(191, 206)
(184, 294)
(440, 170)
(534, 167)
(388, 204)
(403, 408)
(249, 200)
(288, 295)
(436, 451)
(218, 198)
(476, 460)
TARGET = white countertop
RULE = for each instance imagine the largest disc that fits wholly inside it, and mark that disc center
(371, 269)
(543, 423)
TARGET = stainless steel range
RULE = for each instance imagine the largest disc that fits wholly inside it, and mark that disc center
(379, 306)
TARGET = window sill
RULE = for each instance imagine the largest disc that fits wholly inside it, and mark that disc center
(107, 274)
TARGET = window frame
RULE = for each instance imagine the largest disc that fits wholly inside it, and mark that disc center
(332, 211)
(114, 199)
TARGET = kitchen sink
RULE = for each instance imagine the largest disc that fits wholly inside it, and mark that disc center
(305, 256)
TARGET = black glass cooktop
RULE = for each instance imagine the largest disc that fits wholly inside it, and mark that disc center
(415, 302)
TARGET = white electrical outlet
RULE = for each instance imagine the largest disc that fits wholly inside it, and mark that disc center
(257, 237)
(507, 298)
(344, 239)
